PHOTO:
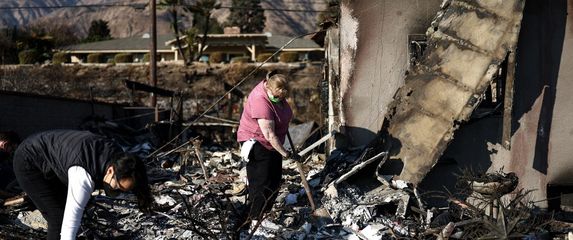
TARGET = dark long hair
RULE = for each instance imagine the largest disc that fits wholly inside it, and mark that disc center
(10, 137)
(129, 166)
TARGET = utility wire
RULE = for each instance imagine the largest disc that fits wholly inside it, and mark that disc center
(138, 116)
(274, 9)
(74, 6)
(220, 99)
(142, 6)
(298, 2)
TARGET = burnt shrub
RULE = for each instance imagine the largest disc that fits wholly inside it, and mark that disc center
(30, 56)
(235, 72)
(60, 58)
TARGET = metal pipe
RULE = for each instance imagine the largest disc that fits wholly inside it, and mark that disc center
(508, 101)
(314, 145)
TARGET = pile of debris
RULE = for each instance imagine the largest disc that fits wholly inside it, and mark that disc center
(201, 195)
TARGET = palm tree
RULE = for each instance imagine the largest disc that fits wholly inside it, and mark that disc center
(172, 8)
(203, 8)
(190, 36)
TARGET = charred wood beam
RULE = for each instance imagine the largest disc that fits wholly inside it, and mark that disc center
(199, 154)
(147, 88)
(177, 149)
(185, 155)
(361, 166)
(508, 101)
(197, 227)
(211, 124)
(221, 119)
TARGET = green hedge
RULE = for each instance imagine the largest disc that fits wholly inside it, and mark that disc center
(30, 56)
(147, 56)
(240, 59)
(216, 57)
(288, 57)
(95, 58)
(123, 58)
(60, 58)
(263, 56)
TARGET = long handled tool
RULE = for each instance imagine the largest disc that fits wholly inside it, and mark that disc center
(302, 175)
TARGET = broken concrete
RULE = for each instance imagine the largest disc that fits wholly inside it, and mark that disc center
(32, 219)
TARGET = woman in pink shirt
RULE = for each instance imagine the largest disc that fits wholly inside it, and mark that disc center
(262, 130)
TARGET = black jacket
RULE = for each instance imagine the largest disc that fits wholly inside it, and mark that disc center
(54, 152)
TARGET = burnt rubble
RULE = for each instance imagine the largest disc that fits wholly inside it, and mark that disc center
(201, 194)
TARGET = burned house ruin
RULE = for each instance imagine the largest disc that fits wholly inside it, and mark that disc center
(475, 87)
(442, 119)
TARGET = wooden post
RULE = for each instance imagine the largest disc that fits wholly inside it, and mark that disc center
(180, 107)
(185, 155)
(153, 57)
(197, 146)
(508, 101)
(230, 106)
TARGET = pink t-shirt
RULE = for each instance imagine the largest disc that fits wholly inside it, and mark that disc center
(258, 106)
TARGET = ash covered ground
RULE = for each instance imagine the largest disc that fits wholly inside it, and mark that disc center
(200, 189)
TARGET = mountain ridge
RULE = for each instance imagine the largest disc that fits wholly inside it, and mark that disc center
(126, 21)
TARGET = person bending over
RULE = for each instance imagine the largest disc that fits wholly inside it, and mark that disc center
(8, 143)
(60, 169)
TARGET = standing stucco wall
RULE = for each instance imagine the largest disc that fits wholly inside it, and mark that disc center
(374, 58)
(561, 150)
(541, 131)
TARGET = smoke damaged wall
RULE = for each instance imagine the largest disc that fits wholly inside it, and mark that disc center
(467, 43)
(541, 152)
(560, 151)
(374, 59)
